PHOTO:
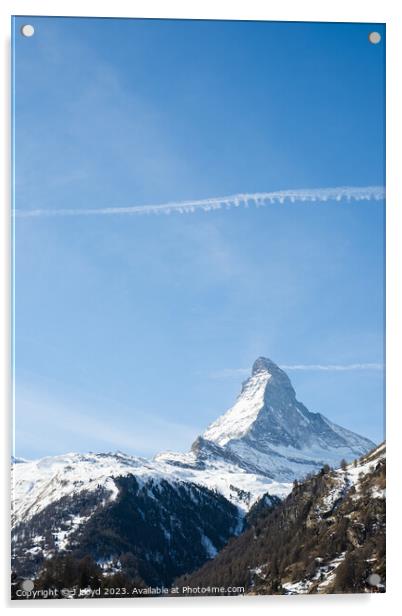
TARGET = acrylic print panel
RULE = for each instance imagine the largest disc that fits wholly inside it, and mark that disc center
(198, 234)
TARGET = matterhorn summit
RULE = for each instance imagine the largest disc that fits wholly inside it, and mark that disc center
(275, 434)
(195, 500)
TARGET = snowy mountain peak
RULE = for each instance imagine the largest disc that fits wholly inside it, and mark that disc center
(279, 378)
(263, 364)
(268, 388)
(262, 443)
(274, 433)
(238, 419)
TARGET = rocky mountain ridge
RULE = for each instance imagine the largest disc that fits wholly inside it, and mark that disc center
(254, 451)
(327, 536)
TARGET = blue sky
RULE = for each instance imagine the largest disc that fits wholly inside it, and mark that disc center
(130, 330)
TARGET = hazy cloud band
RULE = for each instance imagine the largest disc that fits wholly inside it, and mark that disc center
(304, 195)
(333, 367)
(240, 372)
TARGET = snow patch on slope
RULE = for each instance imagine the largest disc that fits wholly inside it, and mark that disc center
(325, 575)
(210, 549)
(238, 419)
(36, 484)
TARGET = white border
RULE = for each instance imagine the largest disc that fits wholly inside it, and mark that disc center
(286, 10)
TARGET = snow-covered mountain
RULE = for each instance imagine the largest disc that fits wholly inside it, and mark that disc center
(268, 426)
(262, 443)
(268, 432)
(116, 509)
(258, 447)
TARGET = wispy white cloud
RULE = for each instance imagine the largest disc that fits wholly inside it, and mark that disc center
(45, 423)
(334, 367)
(228, 373)
(304, 195)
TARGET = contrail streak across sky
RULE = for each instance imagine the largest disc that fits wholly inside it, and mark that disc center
(304, 195)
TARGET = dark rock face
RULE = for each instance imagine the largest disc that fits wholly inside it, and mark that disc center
(263, 364)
